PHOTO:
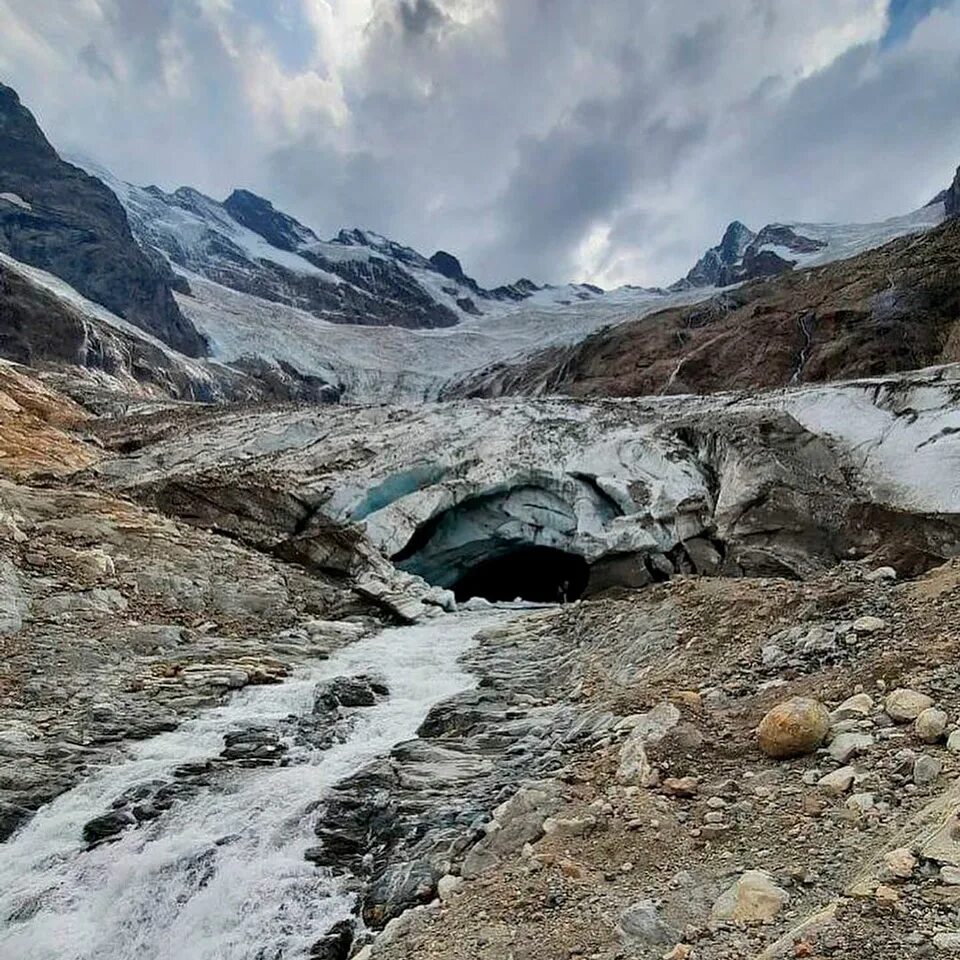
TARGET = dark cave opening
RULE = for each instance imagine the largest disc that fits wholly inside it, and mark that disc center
(537, 574)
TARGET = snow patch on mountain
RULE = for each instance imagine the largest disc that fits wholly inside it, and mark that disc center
(743, 255)
(389, 363)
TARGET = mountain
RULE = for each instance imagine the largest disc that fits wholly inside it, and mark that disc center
(110, 366)
(894, 308)
(357, 277)
(743, 255)
(58, 218)
(951, 199)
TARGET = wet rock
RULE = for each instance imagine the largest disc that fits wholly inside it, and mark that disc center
(339, 692)
(400, 887)
(753, 897)
(794, 728)
(335, 944)
(12, 815)
(640, 925)
(253, 744)
(109, 825)
(904, 705)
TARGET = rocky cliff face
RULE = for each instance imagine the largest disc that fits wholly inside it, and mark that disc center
(56, 217)
(744, 255)
(111, 365)
(952, 197)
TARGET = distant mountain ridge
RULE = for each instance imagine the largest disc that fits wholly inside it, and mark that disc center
(358, 277)
(778, 248)
(56, 217)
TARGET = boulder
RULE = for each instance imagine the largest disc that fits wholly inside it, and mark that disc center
(754, 897)
(107, 826)
(794, 728)
(640, 925)
(931, 725)
(335, 944)
(904, 705)
(399, 887)
(649, 729)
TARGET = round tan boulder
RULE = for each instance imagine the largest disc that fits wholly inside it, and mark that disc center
(794, 728)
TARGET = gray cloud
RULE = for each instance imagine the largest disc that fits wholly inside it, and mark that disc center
(419, 16)
(537, 137)
(98, 68)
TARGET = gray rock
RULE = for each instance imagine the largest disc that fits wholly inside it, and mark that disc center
(926, 769)
(335, 944)
(109, 825)
(904, 705)
(640, 926)
(13, 601)
(396, 889)
(931, 725)
(845, 746)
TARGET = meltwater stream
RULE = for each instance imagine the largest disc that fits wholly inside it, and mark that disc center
(168, 890)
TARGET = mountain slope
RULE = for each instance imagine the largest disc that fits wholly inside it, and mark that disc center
(110, 365)
(358, 277)
(890, 309)
(58, 218)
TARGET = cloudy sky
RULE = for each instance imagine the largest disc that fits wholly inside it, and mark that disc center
(602, 140)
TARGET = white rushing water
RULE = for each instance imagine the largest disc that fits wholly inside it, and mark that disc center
(166, 890)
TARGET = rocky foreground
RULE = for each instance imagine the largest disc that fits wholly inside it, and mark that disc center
(676, 835)
(611, 788)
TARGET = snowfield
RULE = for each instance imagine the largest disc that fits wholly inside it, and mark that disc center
(392, 364)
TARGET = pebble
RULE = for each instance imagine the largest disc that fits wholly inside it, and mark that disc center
(681, 786)
(868, 625)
